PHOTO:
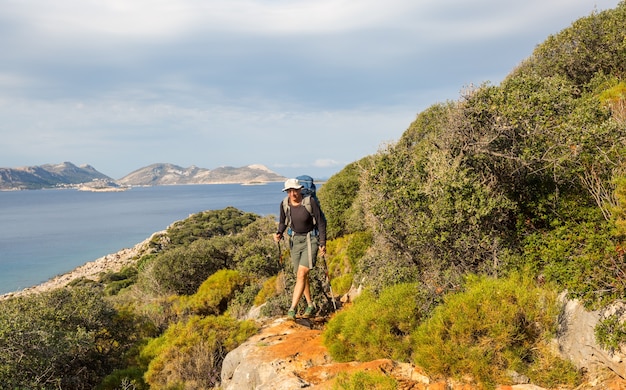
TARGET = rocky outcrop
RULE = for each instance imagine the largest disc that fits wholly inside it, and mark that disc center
(577, 342)
(287, 355)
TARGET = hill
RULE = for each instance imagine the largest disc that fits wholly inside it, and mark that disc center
(48, 176)
(168, 174)
(86, 177)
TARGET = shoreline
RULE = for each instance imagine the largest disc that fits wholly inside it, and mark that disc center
(90, 270)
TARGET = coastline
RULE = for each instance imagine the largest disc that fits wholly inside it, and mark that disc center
(113, 262)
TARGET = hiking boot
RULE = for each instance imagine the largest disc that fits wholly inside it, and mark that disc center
(291, 315)
(308, 312)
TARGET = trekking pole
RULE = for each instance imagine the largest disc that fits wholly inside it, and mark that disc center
(280, 255)
(281, 265)
(332, 295)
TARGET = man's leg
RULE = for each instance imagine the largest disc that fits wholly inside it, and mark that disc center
(307, 290)
(302, 286)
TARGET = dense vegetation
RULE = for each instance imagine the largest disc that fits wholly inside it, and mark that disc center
(462, 234)
(524, 178)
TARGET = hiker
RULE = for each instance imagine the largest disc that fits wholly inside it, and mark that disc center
(306, 226)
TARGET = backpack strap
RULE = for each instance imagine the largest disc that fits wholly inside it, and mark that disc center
(287, 211)
(306, 202)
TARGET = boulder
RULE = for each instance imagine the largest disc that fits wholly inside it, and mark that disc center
(577, 342)
(273, 358)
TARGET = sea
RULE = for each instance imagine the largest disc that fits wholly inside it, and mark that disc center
(45, 233)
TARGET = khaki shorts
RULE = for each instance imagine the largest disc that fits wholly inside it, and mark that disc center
(300, 251)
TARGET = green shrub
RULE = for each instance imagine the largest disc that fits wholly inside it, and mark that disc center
(342, 284)
(614, 98)
(343, 257)
(256, 258)
(361, 380)
(117, 281)
(581, 258)
(190, 353)
(65, 338)
(358, 245)
(214, 295)
(593, 44)
(256, 253)
(376, 327)
(495, 325)
(269, 289)
(551, 371)
(277, 305)
(435, 205)
(379, 269)
(611, 332)
(242, 301)
(337, 198)
(128, 378)
(127, 272)
(209, 224)
(117, 286)
(183, 269)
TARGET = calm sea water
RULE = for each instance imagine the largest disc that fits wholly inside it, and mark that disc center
(45, 233)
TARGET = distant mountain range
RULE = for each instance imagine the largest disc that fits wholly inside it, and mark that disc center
(68, 175)
(166, 174)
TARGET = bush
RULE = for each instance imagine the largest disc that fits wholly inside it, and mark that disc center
(342, 284)
(183, 269)
(376, 328)
(128, 378)
(337, 198)
(256, 253)
(242, 301)
(610, 332)
(494, 326)
(581, 258)
(592, 45)
(190, 353)
(117, 281)
(209, 224)
(343, 256)
(270, 288)
(345, 252)
(257, 258)
(429, 205)
(65, 338)
(380, 269)
(214, 295)
(361, 380)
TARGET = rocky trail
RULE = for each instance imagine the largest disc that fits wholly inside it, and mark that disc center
(285, 355)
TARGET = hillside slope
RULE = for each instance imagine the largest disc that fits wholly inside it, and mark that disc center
(48, 176)
(167, 174)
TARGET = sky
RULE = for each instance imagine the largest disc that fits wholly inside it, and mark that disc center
(300, 86)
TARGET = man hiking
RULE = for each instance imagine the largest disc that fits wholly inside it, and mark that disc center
(306, 226)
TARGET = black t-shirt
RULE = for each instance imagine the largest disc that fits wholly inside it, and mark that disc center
(302, 220)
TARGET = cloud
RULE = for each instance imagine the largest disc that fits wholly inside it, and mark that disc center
(329, 163)
(294, 85)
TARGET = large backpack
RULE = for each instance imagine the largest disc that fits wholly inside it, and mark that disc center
(308, 191)
(309, 186)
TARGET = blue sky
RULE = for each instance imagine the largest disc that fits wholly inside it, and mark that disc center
(301, 86)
